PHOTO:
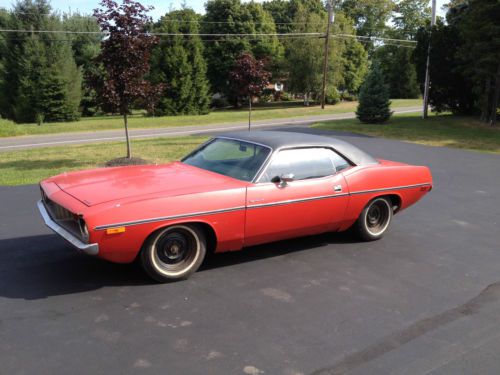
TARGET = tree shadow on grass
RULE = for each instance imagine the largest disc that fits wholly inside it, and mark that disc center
(42, 266)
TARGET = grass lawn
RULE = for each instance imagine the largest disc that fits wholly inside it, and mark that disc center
(261, 112)
(438, 130)
(32, 165)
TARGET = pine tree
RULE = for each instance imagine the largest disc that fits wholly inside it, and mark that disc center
(399, 71)
(4, 23)
(85, 48)
(178, 62)
(374, 103)
(40, 79)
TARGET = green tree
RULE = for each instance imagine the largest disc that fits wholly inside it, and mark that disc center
(284, 11)
(450, 89)
(354, 60)
(40, 78)
(465, 59)
(409, 16)
(304, 56)
(374, 103)
(370, 17)
(234, 17)
(178, 62)
(399, 71)
(85, 46)
(4, 23)
(479, 54)
(397, 62)
(347, 60)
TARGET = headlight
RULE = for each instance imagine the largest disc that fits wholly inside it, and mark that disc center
(83, 230)
(44, 196)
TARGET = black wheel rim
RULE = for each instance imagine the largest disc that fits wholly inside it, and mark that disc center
(377, 217)
(175, 250)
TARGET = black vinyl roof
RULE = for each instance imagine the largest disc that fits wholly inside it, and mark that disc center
(278, 140)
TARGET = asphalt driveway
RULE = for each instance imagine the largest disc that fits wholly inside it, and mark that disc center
(425, 299)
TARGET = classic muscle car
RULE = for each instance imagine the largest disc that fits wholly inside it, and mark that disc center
(236, 190)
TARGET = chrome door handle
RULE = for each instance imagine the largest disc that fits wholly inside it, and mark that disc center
(337, 188)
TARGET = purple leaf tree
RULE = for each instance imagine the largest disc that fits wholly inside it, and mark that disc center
(249, 77)
(124, 59)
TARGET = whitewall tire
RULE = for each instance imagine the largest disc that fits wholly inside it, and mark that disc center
(174, 253)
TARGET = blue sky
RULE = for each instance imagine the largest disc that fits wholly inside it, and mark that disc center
(161, 6)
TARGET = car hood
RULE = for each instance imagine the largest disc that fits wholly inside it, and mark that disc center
(103, 185)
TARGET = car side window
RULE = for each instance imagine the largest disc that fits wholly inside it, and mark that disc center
(303, 163)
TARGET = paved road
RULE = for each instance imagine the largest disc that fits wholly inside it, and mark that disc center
(424, 300)
(23, 142)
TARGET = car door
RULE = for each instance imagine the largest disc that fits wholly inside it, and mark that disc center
(313, 202)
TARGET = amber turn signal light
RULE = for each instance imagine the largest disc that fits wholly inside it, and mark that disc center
(115, 230)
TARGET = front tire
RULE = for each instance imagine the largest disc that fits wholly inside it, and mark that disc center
(174, 253)
(374, 220)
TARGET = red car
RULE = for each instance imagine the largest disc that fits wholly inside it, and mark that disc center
(236, 190)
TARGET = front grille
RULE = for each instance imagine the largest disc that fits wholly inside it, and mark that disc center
(59, 213)
(62, 216)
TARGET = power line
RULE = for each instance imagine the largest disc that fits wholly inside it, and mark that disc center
(152, 33)
(50, 31)
(311, 34)
(236, 22)
(376, 38)
(229, 39)
(224, 37)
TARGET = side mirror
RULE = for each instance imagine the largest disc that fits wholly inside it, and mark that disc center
(283, 179)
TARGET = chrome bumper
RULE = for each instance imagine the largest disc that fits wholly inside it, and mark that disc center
(90, 249)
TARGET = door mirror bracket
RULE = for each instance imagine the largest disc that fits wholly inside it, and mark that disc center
(284, 179)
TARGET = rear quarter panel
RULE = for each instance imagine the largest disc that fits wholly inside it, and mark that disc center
(408, 182)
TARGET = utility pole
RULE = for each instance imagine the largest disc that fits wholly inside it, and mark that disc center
(249, 111)
(427, 77)
(327, 40)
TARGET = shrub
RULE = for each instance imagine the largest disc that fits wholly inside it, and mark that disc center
(374, 103)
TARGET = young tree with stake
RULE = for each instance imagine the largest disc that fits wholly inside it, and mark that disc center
(124, 59)
(249, 78)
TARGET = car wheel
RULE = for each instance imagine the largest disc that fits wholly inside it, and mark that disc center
(174, 253)
(374, 219)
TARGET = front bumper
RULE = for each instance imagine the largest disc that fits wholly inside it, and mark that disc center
(90, 249)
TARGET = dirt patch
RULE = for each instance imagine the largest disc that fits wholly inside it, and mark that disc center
(125, 161)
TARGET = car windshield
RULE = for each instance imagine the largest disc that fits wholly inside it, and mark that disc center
(233, 158)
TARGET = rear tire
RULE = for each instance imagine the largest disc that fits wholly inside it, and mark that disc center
(374, 220)
(174, 253)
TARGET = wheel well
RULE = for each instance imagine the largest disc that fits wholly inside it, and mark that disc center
(210, 233)
(395, 200)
